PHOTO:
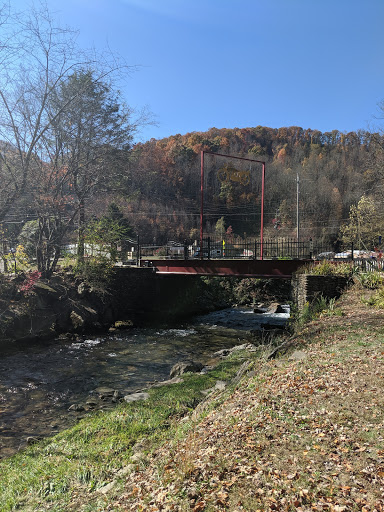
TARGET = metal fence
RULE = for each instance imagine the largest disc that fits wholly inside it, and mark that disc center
(231, 247)
(253, 248)
(136, 252)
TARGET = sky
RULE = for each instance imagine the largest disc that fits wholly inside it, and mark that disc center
(241, 63)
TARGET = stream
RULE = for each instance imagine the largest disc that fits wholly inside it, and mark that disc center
(47, 387)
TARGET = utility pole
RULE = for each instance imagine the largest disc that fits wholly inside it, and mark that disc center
(297, 209)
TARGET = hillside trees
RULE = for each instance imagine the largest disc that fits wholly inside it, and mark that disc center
(157, 184)
(334, 172)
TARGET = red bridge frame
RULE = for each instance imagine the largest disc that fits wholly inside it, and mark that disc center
(282, 269)
(202, 196)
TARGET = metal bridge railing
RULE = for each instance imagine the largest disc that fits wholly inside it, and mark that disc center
(136, 251)
(253, 248)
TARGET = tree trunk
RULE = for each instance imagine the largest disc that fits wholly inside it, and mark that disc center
(81, 232)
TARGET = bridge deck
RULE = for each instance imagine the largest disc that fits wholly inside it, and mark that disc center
(282, 269)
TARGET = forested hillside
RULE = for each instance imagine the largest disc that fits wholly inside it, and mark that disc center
(155, 187)
(160, 189)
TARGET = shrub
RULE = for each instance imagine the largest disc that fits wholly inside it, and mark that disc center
(376, 300)
(371, 280)
(17, 260)
(97, 272)
(328, 268)
(31, 279)
(319, 307)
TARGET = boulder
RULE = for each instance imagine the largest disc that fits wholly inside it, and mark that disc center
(220, 385)
(92, 403)
(105, 392)
(33, 439)
(107, 487)
(184, 367)
(298, 355)
(123, 324)
(82, 289)
(223, 352)
(275, 307)
(227, 351)
(76, 320)
(260, 309)
(175, 380)
(76, 408)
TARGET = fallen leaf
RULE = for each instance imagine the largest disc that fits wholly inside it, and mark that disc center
(199, 506)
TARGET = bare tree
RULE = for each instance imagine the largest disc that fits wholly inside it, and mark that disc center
(54, 143)
(36, 58)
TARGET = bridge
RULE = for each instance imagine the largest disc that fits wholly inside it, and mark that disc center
(234, 256)
(229, 256)
(282, 269)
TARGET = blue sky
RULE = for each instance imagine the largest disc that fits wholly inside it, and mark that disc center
(241, 63)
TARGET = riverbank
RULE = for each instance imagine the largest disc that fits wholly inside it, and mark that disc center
(68, 304)
(45, 387)
(301, 431)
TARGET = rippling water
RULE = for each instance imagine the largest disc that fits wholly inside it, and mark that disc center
(39, 382)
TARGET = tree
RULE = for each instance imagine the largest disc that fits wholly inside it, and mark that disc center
(63, 127)
(40, 64)
(365, 224)
(53, 206)
(106, 233)
(375, 173)
(92, 137)
(220, 227)
(29, 237)
(35, 58)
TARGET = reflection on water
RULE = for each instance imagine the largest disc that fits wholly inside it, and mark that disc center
(39, 382)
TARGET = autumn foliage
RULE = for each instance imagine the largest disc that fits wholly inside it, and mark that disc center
(161, 187)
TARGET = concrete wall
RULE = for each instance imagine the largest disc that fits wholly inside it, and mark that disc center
(305, 288)
(141, 295)
(138, 296)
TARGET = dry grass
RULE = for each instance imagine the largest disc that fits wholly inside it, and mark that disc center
(302, 432)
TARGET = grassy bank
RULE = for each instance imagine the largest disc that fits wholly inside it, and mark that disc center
(81, 461)
(301, 431)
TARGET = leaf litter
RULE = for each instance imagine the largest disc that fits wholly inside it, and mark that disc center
(297, 435)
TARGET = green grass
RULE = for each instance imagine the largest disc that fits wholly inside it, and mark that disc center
(75, 464)
(45, 476)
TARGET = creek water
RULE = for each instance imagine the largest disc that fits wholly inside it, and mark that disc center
(46, 387)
